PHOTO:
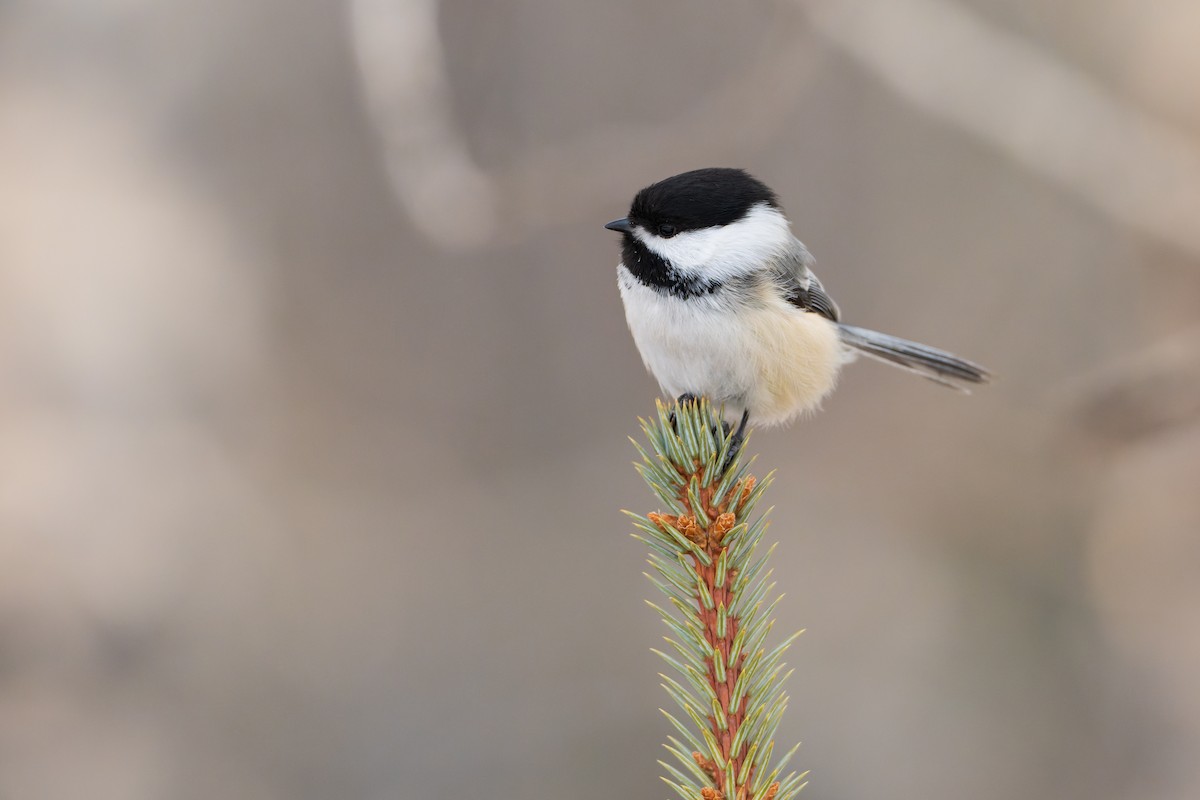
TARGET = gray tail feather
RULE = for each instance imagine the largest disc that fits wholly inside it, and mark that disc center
(937, 365)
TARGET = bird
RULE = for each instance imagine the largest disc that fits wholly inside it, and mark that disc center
(722, 302)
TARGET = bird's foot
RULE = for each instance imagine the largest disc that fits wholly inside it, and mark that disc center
(736, 441)
(682, 400)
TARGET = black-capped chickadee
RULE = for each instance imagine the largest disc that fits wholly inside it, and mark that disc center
(722, 302)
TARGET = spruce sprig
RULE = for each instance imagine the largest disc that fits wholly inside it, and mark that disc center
(704, 558)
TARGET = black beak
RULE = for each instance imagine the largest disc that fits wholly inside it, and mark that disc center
(622, 225)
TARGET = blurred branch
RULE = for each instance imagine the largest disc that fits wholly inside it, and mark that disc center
(453, 201)
(1045, 114)
(946, 60)
(728, 684)
(1143, 394)
(402, 64)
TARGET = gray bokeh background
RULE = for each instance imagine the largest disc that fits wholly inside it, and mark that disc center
(315, 389)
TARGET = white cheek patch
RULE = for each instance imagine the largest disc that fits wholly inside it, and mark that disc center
(730, 251)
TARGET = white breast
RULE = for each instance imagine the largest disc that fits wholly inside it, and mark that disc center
(757, 351)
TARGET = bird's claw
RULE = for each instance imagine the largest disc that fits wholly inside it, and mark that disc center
(683, 399)
(736, 441)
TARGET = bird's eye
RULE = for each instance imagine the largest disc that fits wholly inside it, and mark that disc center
(666, 231)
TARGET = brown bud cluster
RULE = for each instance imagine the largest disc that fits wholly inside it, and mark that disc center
(721, 526)
(747, 487)
(707, 764)
(685, 524)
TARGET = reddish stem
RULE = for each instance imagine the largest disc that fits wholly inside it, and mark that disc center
(711, 540)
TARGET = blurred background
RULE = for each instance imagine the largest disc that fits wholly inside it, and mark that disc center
(315, 388)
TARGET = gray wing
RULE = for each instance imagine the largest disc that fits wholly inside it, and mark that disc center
(801, 286)
(802, 289)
